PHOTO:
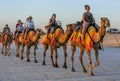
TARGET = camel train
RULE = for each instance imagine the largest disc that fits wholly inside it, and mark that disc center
(93, 38)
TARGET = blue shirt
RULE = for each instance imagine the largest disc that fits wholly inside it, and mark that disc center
(30, 24)
(20, 28)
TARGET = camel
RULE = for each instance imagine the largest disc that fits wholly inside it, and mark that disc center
(98, 37)
(6, 42)
(32, 40)
(58, 38)
(18, 43)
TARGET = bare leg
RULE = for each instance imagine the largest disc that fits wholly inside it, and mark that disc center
(22, 51)
(73, 48)
(35, 47)
(56, 57)
(28, 53)
(44, 53)
(51, 55)
(65, 56)
(81, 60)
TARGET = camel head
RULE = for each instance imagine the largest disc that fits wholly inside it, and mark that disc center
(39, 32)
(105, 22)
(70, 28)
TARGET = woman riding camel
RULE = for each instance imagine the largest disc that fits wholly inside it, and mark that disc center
(87, 18)
(20, 28)
(17, 25)
(51, 25)
(30, 26)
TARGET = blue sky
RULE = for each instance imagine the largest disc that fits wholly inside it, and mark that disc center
(68, 11)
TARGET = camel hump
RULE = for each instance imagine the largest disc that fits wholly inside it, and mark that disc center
(31, 33)
(92, 26)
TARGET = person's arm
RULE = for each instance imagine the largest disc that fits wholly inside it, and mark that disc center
(49, 23)
(9, 29)
(3, 29)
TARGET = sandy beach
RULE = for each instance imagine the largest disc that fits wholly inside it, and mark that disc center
(112, 40)
(13, 69)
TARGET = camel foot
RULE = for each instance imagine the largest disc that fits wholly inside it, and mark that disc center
(72, 70)
(56, 66)
(21, 58)
(43, 63)
(28, 60)
(35, 61)
(91, 73)
(65, 66)
(17, 55)
(53, 64)
(5, 54)
(84, 71)
(97, 64)
(2, 52)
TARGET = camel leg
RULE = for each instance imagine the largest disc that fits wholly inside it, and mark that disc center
(22, 51)
(56, 57)
(96, 56)
(81, 60)
(28, 53)
(8, 50)
(51, 56)
(44, 53)
(35, 60)
(73, 48)
(2, 49)
(65, 56)
(17, 50)
(5, 50)
(90, 64)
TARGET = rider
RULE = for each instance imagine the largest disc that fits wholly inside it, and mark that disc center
(25, 27)
(30, 26)
(6, 29)
(17, 25)
(51, 24)
(20, 28)
(87, 18)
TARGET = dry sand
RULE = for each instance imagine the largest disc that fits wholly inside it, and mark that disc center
(112, 40)
(13, 69)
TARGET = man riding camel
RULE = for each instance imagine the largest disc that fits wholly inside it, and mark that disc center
(6, 29)
(29, 25)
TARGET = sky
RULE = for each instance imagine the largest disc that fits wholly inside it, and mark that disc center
(68, 11)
